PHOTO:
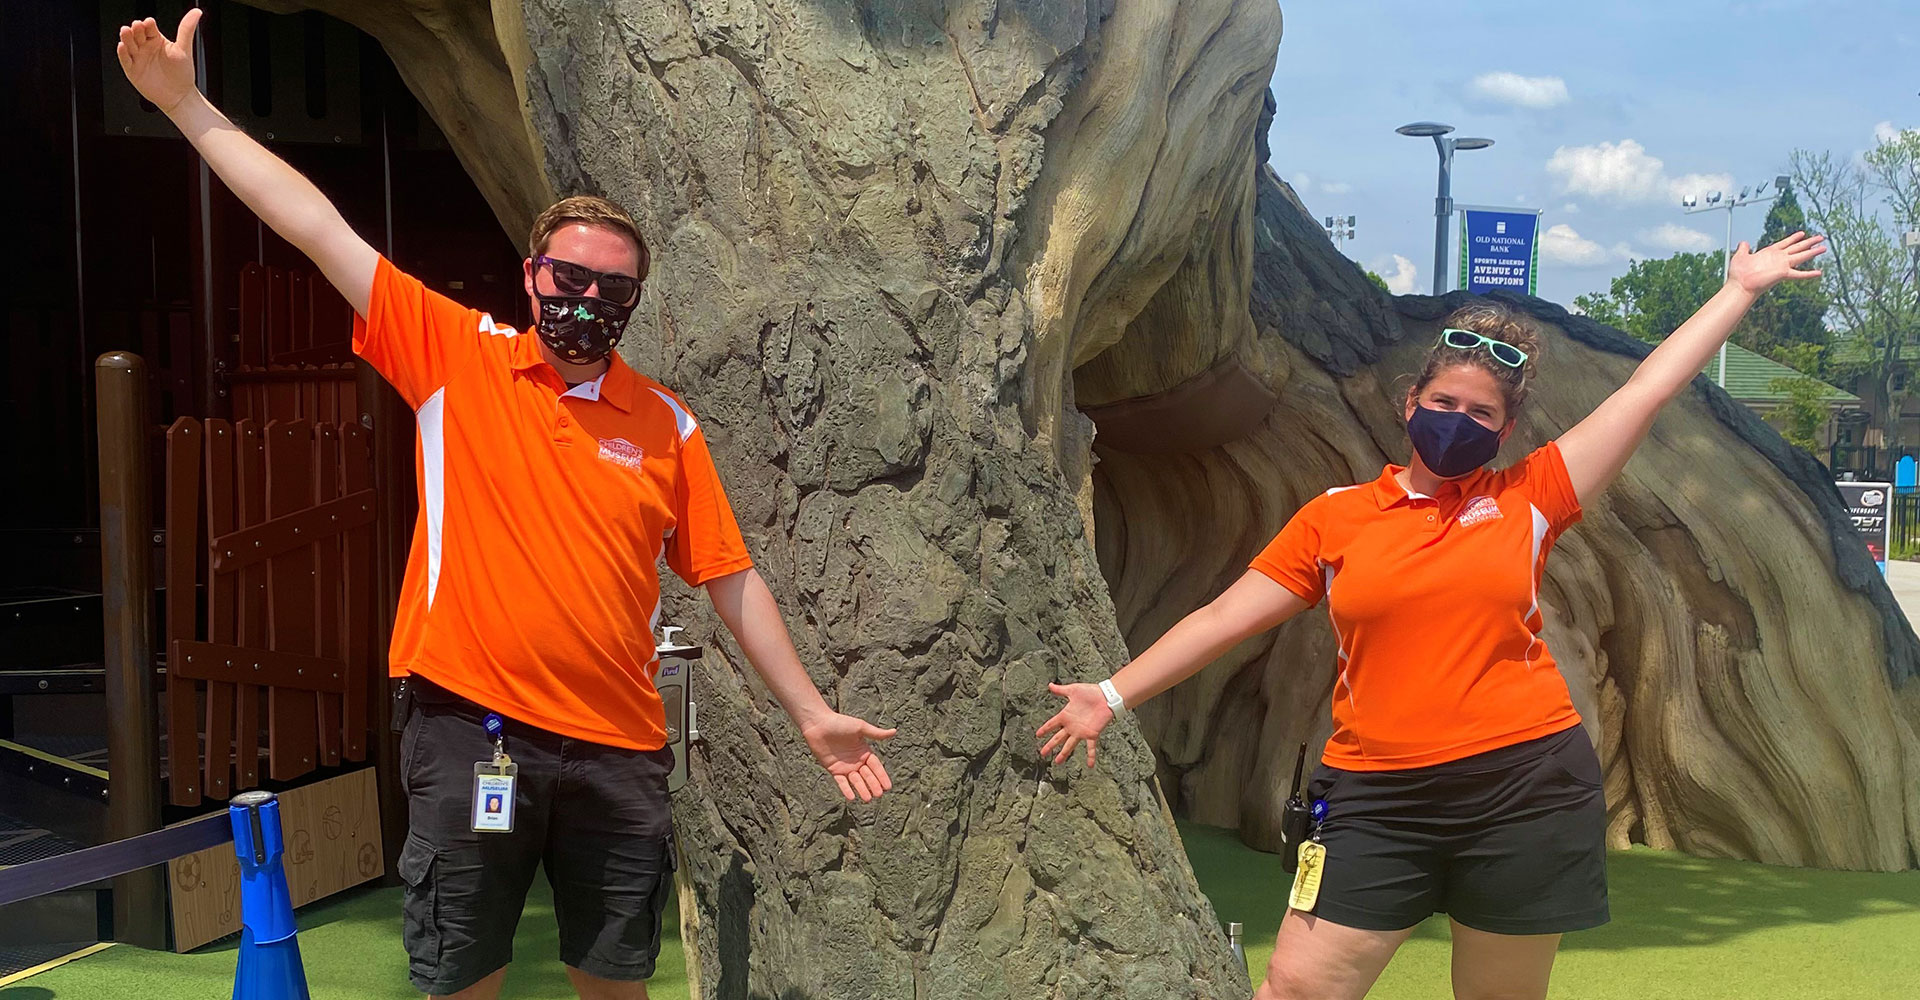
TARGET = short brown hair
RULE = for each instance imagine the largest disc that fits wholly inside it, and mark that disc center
(589, 210)
(1500, 322)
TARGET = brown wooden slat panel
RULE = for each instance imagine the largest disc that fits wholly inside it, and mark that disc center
(299, 314)
(253, 317)
(251, 498)
(326, 585)
(268, 375)
(291, 736)
(310, 395)
(283, 398)
(284, 534)
(328, 393)
(222, 607)
(279, 320)
(185, 440)
(273, 669)
(362, 684)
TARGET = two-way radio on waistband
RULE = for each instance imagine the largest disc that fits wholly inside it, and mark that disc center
(1296, 820)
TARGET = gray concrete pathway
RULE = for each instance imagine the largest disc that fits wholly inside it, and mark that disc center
(1904, 578)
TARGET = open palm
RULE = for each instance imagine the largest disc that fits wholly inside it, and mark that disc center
(1759, 270)
(839, 743)
(161, 70)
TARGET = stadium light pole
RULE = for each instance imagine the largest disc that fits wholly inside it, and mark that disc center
(1443, 202)
(1339, 229)
(1718, 201)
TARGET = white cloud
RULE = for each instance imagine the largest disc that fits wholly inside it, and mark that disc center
(1562, 244)
(1570, 208)
(1303, 183)
(1625, 171)
(1403, 278)
(1886, 132)
(1533, 92)
(1669, 236)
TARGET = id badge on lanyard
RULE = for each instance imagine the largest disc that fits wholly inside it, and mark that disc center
(493, 784)
(1312, 865)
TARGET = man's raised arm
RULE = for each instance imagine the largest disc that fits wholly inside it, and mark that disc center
(162, 71)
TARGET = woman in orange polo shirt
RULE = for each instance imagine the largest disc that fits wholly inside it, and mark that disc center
(1458, 778)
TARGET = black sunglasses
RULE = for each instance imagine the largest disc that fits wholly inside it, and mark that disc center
(573, 279)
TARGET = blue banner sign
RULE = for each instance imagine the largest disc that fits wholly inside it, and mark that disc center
(1499, 248)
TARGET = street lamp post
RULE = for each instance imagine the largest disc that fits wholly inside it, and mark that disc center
(1717, 202)
(1443, 201)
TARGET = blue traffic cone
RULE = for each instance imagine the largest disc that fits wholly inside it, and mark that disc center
(269, 966)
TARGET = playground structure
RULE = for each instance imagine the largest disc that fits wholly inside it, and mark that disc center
(203, 568)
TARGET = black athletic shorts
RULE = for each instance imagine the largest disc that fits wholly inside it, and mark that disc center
(1511, 841)
(596, 816)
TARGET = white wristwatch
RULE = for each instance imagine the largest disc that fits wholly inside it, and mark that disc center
(1114, 701)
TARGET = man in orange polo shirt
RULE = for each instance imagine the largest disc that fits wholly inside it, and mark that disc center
(552, 478)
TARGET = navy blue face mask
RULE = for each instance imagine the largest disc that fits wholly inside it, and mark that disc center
(1450, 442)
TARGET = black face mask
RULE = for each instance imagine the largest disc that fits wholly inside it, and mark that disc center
(580, 329)
(1451, 443)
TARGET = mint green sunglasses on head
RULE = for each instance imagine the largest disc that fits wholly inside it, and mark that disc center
(1467, 340)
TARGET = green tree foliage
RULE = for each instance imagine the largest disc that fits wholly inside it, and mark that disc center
(1863, 207)
(1794, 313)
(1800, 418)
(1654, 297)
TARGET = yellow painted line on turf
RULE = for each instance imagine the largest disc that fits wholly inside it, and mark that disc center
(56, 963)
(42, 755)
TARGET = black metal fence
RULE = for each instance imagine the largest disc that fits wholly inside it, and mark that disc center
(1906, 522)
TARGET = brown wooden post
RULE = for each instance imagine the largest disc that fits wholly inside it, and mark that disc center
(126, 602)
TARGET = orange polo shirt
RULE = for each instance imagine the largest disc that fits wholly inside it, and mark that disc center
(532, 586)
(1435, 602)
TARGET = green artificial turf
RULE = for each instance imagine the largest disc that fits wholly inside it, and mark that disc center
(350, 946)
(1682, 928)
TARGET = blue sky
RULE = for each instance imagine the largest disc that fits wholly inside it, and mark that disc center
(1602, 115)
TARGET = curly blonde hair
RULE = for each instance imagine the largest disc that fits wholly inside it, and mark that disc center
(1500, 322)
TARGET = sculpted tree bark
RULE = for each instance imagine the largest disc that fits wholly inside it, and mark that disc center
(885, 234)
(909, 255)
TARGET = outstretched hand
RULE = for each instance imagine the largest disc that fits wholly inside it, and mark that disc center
(161, 70)
(1759, 270)
(1085, 715)
(839, 743)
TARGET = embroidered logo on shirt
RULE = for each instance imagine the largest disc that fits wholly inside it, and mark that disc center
(621, 451)
(1479, 509)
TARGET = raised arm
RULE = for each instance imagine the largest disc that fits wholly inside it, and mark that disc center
(1254, 604)
(1597, 448)
(162, 71)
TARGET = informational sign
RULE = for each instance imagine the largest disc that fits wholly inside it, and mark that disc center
(1499, 248)
(1871, 507)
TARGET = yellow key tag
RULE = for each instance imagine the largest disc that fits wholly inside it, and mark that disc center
(1306, 881)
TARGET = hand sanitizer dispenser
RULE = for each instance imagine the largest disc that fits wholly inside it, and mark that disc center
(673, 678)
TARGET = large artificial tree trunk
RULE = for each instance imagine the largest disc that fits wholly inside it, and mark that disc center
(884, 234)
(909, 256)
(1739, 661)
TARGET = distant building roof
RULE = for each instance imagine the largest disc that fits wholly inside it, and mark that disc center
(1750, 378)
(1847, 348)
